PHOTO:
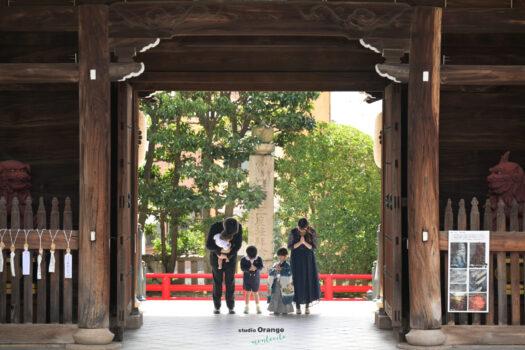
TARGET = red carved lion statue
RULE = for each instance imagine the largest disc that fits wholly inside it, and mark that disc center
(15, 181)
(507, 182)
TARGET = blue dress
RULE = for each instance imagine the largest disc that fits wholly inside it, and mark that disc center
(304, 270)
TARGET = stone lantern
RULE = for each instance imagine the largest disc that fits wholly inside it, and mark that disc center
(266, 134)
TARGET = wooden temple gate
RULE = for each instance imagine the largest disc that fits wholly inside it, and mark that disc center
(313, 46)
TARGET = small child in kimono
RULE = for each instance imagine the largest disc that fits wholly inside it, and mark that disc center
(280, 285)
(251, 264)
(223, 241)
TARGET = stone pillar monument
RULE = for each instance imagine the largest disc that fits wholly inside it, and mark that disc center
(260, 220)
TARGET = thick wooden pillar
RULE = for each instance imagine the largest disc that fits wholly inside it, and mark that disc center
(423, 170)
(94, 104)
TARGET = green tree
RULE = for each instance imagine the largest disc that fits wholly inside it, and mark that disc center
(175, 142)
(329, 176)
(205, 137)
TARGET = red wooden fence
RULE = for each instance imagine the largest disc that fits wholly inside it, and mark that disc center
(327, 287)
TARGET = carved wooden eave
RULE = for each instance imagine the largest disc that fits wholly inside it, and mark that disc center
(371, 46)
(349, 19)
(125, 71)
(386, 73)
(38, 73)
(354, 20)
(126, 48)
(461, 74)
(386, 47)
(258, 81)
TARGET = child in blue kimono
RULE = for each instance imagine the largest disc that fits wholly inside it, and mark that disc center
(251, 265)
(280, 285)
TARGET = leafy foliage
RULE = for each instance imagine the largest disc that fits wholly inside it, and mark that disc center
(202, 138)
(329, 176)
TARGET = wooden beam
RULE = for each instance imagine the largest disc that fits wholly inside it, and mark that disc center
(461, 74)
(382, 20)
(484, 335)
(460, 3)
(471, 20)
(39, 18)
(500, 241)
(63, 87)
(134, 20)
(37, 334)
(35, 73)
(260, 60)
(483, 75)
(178, 43)
(27, 73)
(260, 81)
(95, 136)
(60, 242)
(278, 18)
(423, 170)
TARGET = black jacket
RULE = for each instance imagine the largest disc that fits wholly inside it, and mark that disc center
(236, 242)
(246, 264)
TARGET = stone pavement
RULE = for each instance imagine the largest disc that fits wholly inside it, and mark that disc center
(192, 325)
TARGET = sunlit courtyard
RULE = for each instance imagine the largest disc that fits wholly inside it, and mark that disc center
(192, 325)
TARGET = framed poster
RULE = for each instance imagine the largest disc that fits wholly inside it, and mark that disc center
(468, 271)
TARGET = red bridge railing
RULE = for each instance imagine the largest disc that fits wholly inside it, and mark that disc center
(327, 287)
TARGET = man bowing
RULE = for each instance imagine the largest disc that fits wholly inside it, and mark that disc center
(224, 241)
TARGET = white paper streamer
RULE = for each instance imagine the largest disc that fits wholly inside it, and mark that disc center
(68, 266)
(38, 269)
(12, 264)
(52, 262)
(2, 247)
(26, 261)
(39, 258)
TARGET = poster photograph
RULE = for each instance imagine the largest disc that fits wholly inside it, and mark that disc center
(458, 255)
(458, 288)
(477, 280)
(478, 302)
(458, 276)
(468, 271)
(477, 255)
(458, 302)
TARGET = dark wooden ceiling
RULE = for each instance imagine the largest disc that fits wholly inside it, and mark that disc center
(262, 62)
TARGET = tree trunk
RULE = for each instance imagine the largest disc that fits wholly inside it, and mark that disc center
(205, 217)
(228, 210)
(174, 234)
(150, 155)
(163, 253)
